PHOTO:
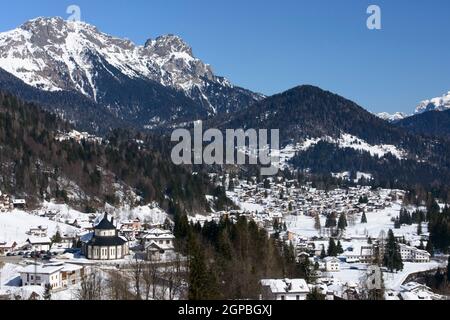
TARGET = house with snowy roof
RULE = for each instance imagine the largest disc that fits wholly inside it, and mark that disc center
(38, 244)
(284, 289)
(6, 247)
(57, 276)
(332, 264)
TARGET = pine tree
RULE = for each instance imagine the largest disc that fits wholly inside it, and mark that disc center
(419, 229)
(430, 248)
(397, 224)
(200, 286)
(323, 254)
(303, 269)
(331, 221)
(57, 237)
(364, 218)
(48, 292)
(339, 248)
(448, 270)
(315, 295)
(392, 258)
(421, 246)
(332, 248)
(231, 185)
(342, 223)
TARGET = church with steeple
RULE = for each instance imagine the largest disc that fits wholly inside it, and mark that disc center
(105, 242)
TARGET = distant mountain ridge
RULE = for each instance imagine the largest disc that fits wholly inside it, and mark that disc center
(392, 117)
(431, 123)
(436, 104)
(322, 132)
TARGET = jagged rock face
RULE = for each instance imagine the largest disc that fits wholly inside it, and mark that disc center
(55, 55)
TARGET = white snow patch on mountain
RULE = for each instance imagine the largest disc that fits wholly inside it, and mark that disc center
(435, 104)
(53, 55)
(392, 117)
(349, 141)
(344, 141)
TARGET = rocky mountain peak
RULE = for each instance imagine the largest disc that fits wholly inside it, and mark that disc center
(436, 104)
(168, 44)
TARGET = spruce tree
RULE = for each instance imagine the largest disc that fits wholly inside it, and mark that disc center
(332, 248)
(339, 248)
(419, 229)
(323, 254)
(331, 221)
(430, 248)
(48, 292)
(342, 223)
(57, 237)
(392, 258)
(448, 270)
(421, 246)
(200, 286)
(364, 218)
(315, 295)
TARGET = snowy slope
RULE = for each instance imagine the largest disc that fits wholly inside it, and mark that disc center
(15, 224)
(344, 141)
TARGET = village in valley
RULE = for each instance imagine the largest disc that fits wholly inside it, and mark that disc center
(341, 233)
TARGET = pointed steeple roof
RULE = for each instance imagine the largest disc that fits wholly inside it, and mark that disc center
(105, 224)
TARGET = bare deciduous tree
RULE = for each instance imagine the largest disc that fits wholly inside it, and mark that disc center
(118, 285)
(91, 287)
(150, 277)
(136, 274)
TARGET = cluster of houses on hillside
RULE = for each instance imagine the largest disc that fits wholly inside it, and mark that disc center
(333, 289)
(355, 250)
(271, 201)
(78, 137)
(8, 203)
(103, 242)
(101, 239)
(286, 197)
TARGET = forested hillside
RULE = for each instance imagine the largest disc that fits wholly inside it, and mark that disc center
(127, 167)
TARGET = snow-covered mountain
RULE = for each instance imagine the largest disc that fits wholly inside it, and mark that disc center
(392, 117)
(55, 55)
(435, 104)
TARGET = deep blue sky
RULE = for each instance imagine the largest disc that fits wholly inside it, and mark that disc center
(271, 46)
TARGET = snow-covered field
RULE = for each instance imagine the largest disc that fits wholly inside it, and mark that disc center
(377, 221)
(392, 281)
(15, 224)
